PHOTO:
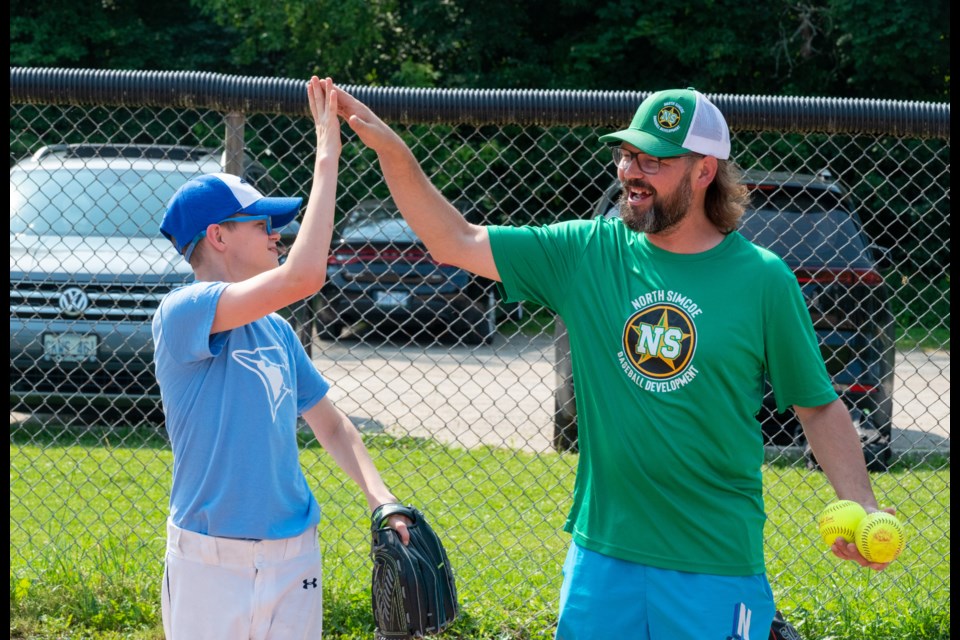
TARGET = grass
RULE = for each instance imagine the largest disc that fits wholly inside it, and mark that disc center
(87, 523)
(921, 305)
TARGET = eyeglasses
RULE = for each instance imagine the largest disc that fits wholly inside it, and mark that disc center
(235, 218)
(648, 164)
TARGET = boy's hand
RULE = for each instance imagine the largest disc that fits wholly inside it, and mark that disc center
(323, 105)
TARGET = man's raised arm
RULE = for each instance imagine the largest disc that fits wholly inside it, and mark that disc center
(447, 235)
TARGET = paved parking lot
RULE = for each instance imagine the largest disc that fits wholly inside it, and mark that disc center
(502, 395)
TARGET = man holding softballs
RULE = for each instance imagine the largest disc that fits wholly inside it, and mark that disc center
(674, 320)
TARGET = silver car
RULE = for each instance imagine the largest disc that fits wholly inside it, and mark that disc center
(88, 267)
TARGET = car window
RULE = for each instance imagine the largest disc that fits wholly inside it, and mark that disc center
(801, 225)
(787, 198)
(372, 223)
(371, 214)
(87, 202)
(820, 238)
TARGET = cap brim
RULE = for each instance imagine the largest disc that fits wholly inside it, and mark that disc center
(282, 211)
(645, 142)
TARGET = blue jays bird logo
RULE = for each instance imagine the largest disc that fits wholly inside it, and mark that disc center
(269, 366)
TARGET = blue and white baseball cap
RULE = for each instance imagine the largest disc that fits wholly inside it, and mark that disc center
(213, 197)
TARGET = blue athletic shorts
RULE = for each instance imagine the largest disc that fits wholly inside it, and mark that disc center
(603, 597)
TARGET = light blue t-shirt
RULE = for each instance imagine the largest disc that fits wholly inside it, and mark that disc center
(231, 402)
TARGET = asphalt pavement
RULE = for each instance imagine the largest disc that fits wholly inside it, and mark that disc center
(502, 394)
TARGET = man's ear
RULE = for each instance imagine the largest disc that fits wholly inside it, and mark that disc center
(707, 172)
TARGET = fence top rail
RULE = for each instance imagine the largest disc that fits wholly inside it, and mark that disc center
(247, 94)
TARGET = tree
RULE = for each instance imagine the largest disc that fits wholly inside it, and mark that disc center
(841, 48)
(117, 34)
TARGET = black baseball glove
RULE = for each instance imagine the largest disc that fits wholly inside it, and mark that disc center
(413, 590)
(782, 630)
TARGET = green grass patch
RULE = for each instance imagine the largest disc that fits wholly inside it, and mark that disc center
(921, 306)
(535, 321)
(87, 540)
(917, 337)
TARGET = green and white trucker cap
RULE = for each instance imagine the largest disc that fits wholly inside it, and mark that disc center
(676, 121)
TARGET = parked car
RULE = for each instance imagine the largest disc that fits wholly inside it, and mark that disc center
(380, 275)
(812, 223)
(88, 267)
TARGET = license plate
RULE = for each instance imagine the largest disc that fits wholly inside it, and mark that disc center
(69, 347)
(391, 299)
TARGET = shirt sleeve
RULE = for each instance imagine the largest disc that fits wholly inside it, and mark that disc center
(184, 319)
(794, 363)
(538, 263)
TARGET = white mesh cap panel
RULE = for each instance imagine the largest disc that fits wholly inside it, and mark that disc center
(708, 133)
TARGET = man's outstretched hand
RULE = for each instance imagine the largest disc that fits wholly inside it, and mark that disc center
(372, 131)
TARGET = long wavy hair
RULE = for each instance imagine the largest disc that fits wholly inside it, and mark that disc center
(726, 197)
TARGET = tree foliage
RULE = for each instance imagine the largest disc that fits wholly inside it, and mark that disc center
(118, 34)
(843, 48)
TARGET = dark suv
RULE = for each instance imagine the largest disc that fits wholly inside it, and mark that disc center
(88, 267)
(811, 222)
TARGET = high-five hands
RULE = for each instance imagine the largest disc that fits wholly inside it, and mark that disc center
(373, 131)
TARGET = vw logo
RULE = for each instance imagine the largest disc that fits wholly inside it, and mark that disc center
(73, 301)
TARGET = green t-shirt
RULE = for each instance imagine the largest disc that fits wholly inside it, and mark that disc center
(669, 354)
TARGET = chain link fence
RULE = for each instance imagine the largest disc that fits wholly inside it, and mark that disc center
(423, 355)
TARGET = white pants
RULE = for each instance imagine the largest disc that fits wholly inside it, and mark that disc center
(221, 588)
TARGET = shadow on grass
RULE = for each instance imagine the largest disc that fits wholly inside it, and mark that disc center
(349, 615)
(65, 430)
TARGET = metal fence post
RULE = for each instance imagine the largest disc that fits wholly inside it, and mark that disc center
(233, 143)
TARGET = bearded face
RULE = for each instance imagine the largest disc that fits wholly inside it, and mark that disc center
(644, 210)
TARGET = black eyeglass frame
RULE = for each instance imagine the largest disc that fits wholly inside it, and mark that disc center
(650, 165)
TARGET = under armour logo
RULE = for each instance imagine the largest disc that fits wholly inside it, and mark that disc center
(310, 583)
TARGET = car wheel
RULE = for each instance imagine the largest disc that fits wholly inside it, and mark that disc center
(302, 320)
(305, 334)
(480, 324)
(565, 431)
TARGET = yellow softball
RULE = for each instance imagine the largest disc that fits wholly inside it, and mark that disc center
(880, 537)
(840, 519)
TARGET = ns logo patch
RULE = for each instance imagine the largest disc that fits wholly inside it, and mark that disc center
(659, 341)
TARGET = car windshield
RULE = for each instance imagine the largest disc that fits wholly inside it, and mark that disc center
(376, 223)
(91, 202)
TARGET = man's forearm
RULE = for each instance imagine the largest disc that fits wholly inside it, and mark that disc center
(432, 218)
(837, 447)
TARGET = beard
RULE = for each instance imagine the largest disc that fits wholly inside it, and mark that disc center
(662, 213)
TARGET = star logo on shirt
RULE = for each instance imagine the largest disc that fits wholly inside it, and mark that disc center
(659, 341)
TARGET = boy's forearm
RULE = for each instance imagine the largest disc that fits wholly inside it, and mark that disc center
(308, 255)
(340, 438)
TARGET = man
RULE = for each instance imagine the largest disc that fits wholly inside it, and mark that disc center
(242, 557)
(674, 318)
